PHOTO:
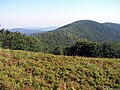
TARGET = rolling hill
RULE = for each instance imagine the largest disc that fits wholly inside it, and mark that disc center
(22, 70)
(83, 29)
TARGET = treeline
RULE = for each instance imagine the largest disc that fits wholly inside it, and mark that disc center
(90, 49)
(85, 48)
(17, 41)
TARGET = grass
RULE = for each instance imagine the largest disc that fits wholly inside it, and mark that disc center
(22, 70)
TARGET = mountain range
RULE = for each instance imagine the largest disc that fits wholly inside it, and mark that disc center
(31, 30)
(82, 29)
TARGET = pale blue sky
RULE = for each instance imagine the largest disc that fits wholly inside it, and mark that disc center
(43, 13)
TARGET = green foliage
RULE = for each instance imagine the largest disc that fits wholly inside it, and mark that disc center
(84, 48)
(110, 50)
(57, 51)
(17, 41)
(68, 34)
(22, 70)
(113, 26)
(0, 44)
(91, 49)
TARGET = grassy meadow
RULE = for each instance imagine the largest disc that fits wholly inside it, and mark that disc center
(22, 70)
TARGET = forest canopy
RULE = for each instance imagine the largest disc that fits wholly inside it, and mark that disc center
(17, 41)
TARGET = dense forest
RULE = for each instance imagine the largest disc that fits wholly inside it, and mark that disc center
(92, 49)
(83, 29)
(17, 41)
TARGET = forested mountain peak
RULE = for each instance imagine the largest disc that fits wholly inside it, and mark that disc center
(82, 29)
(80, 23)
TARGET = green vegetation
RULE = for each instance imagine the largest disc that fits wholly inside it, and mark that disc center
(22, 70)
(83, 29)
(92, 49)
(55, 42)
(114, 26)
(17, 41)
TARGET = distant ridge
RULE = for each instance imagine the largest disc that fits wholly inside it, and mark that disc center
(29, 31)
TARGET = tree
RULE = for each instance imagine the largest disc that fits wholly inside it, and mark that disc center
(92, 49)
(84, 48)
(18, 41)
(58, 51)
(110, 50)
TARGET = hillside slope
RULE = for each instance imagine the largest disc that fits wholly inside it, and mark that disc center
(21, 70)
(83, 29)
(113, 26)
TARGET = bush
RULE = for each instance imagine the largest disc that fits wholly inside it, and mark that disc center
(93, 49)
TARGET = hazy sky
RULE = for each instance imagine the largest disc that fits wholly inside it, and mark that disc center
(43, 13)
